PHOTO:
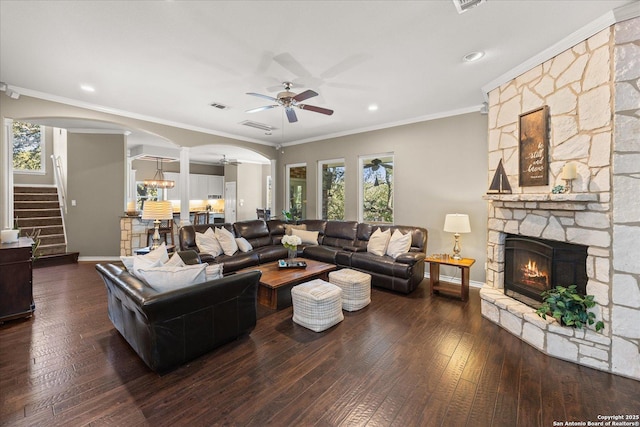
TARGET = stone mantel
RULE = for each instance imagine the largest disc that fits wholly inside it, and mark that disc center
(548, 201)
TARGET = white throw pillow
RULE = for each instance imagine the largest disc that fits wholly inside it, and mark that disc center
(214, 271)
(243, 244)
(175, 261)
(128, 262)
(307, 237)
(164, 279)
(159, 253)
(288, 228)
(226, 240)
(398, 244)
(141, 262)
(378, 242)
(208, 243)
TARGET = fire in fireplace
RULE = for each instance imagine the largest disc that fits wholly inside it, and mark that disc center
(535, 265)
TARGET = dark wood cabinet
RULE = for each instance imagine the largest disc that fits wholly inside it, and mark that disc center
(16, 291)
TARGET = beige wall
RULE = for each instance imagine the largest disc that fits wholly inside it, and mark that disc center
(96, 181)
(40, 179)
(146, 169)
(440, 167)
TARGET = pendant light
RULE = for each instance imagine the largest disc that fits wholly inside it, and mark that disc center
(158, 180)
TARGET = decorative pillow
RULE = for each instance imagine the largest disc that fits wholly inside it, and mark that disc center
(243, 244)
(208, 243)
(159, 253)
(128, 262)
(307, 237)
(164, 279)
(378, 242)
(142, 262)
(214, 271)
(226, 240)
(398, 244)
(288, 228)
(175, 261)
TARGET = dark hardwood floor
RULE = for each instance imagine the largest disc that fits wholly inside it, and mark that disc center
(402, 361)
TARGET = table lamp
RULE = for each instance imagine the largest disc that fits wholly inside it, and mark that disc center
(157, 211)
(457, 223)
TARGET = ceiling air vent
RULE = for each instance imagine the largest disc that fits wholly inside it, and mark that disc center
(464, 5)
(219, 106)
(257, 125)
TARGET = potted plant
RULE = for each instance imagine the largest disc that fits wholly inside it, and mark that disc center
(568, 307)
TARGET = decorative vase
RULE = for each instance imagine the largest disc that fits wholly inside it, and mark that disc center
(293, 252)
(10, 236)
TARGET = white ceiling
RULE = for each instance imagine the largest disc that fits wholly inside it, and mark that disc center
(167, 61)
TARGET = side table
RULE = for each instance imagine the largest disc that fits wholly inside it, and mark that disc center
(436, 285)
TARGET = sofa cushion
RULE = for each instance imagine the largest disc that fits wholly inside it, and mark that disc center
(207, 243)
(243, 244)
(255, 231)
(398, 244)
(227, 241)
(384, 265)
(378, 242)
(141, 261)
(164, 279)
(213, 271)
(238, 261)
(321, 253)
(307, 237)
(340, 233)
(175, 261)
(288, 228)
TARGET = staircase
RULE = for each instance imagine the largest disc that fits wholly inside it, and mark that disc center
(37, 208)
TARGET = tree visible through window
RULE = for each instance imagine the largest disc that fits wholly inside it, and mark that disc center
(28, 151)
(332, 190)
(377, 189)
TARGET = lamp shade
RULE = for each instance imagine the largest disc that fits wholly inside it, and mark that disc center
(157, 210)
(457, 223)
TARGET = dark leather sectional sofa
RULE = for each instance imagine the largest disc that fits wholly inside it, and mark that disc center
(343, 243)
(167, 329)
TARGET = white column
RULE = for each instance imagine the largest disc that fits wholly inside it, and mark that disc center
(184, 186)
(6, 175)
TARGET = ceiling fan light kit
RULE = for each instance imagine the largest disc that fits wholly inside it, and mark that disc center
(288, 100)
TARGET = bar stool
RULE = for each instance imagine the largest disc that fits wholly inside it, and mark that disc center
(201, 218)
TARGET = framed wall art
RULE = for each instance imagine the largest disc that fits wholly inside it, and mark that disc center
(534, 147)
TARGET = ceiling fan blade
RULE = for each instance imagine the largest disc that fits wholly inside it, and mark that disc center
(304, 95)
(266, 107)
(291, 115)
(315, 109)
(270, 98)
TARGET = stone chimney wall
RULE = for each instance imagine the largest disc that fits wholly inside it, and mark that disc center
(592, 91)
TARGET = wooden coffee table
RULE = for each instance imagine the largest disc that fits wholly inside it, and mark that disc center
(276, 283)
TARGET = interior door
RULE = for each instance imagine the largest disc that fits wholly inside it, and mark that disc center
(230, 201)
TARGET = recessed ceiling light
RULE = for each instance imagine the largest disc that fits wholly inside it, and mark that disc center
(473, 56)
(87, 88)
(373, 107)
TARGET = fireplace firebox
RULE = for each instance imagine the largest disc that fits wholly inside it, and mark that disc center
(535, 265)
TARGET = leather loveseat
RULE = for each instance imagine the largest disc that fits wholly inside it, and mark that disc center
(167, 329)
(343, 243)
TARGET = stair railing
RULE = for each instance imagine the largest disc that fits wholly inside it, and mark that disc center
(62, 192)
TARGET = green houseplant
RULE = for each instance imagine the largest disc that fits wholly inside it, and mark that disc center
(568, 307)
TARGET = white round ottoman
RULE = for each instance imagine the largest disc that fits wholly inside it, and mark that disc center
(317, 305)
(356, 288)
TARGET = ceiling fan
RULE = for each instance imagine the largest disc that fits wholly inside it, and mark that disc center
(289, 100)
(225, 162)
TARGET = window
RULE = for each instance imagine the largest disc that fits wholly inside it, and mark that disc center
(331, 191)
(297, 191)
(376, 188)
(28, 148)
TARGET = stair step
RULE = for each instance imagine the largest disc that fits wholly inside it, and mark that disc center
(22, 190)
(36, 213)
(53, 249)
(23, 197)
(45, 230)
(57, 259)
(39, 221)
(52, 239)
(35, 205)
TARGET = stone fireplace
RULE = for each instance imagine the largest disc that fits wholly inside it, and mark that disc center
(593, 96)
(535, 265)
